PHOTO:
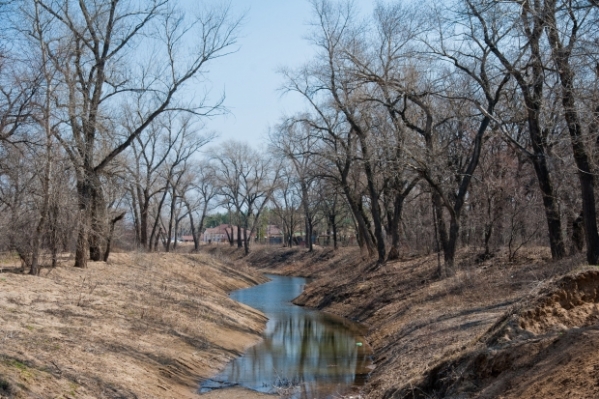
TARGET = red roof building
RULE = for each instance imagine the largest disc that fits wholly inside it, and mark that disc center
(222, 233)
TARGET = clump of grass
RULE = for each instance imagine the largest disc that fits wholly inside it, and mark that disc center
(5, 388)
(17, 364)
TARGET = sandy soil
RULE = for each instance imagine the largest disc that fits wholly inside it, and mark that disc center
(496, 329)
(141, 326)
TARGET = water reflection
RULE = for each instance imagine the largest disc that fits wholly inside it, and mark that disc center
(314, 353)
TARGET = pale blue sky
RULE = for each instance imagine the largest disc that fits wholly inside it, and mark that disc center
(273, 36)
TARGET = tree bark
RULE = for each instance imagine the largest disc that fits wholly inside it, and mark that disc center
(98, 231)
(143, 218)
(394, 227)
(246, 244)
(86, 187)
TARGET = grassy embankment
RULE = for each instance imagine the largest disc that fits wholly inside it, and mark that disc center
(496, 329)
(141, 326)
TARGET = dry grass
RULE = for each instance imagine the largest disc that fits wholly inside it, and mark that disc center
(143, 326)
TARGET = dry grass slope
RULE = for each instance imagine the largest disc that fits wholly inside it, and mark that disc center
(142, 326)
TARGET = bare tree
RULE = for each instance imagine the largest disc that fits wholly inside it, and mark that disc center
(287, 202)
(90, 44)
(498, 27)
(564, 23)
(247, 180)
(300, 149)
(198, 195)
(148, 152)
(178, 166)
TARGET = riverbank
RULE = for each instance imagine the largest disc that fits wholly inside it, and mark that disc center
(497, 329)
(141, 326)
(152, 326)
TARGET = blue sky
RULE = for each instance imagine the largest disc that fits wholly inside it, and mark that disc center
(273, 36)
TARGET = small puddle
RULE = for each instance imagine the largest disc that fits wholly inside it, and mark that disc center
(304, 354)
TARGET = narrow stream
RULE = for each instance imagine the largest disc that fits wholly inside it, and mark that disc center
(304, 353)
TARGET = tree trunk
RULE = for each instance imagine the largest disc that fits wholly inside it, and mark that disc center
(98, 232)
(443, 236)
(307, 215)
(176, 234)
(308, 229)
(53, 233)
(157, 220)
(552, 214)
(246, 245)
(194, 233)
(143, 219)
(437, 248)
(136, 218)
(451, 246)
(334, 226)
(239, 239)
(85, 191)
(375, 207)
(157, 239)
(111, 234)
(394, 226)
(577, 235)
(82, 247)
(363, 232)
(171, 220)
(487, 238)
(36, 240)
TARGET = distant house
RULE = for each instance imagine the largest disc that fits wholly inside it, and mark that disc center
(222, 233)
(186, 239)
(273, 234)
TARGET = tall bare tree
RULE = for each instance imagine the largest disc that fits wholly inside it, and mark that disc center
(92, 45)
(299, 148)
(247, 180)
(499, 26)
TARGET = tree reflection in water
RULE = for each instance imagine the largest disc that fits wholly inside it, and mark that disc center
(311, 352)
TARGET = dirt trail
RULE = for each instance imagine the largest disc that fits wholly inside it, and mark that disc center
(496, 329)
(142, 326)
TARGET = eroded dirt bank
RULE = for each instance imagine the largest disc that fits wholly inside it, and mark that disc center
(494, 330)
(142, 326)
